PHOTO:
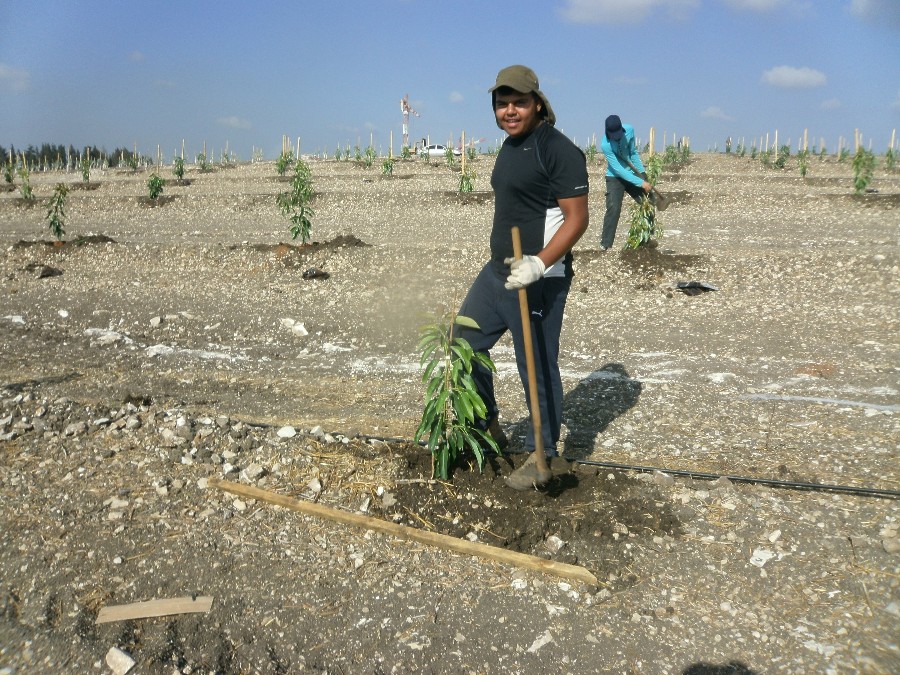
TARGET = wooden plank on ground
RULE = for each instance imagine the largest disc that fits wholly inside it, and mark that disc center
(444, 541)
(151, 608)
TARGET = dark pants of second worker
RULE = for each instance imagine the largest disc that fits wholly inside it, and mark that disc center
(496, 309)
(615, 192)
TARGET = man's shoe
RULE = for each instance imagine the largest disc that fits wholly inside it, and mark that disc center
(526, 476)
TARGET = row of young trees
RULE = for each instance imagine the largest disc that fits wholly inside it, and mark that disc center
(55, 156)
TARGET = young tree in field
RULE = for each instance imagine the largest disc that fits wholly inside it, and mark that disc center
(56, 211)
(295, 205)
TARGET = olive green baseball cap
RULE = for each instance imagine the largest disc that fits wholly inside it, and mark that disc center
(523, 79)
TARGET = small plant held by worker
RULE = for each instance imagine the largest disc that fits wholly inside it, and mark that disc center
(56, 211)
(644, 225)
(452, 402)
(863, 169)
(295, 205)
(155, 185)
(467, 180)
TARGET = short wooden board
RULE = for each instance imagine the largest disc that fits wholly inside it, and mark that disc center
(151, 608)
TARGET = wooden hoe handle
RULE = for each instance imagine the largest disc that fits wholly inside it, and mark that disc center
(540, 459)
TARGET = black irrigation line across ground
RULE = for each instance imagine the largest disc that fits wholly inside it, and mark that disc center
(787, 484)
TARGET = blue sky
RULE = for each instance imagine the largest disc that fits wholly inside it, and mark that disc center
(117, 73)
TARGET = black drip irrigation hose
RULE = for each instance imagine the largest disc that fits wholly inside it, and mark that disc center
(789, 484)
(786, 484)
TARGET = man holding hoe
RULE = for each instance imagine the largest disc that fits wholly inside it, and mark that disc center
(540, 184)
(624, 173)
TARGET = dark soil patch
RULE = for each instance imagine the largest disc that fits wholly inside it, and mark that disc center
(646, 260)
(25, 203)
(90, 185)
(827, 181)
(7, 187)
(78, 241)
(93, 239)
(180, 182)
(678, 196)
(162, 200)
(581, 518)
(651, 259)
(481, 197)
(282, 249)
(383, 177)
(876, 200)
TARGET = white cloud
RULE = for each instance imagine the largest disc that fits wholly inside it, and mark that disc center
(618, 12)
(788, 77)
(754, 5)
(716, 113)
(795, 7)
(456, 97)
(136, 56)
(234, 122)
(885, 12)
(831, 104)
(13, 79)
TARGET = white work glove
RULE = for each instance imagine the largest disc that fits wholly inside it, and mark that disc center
(523, 272)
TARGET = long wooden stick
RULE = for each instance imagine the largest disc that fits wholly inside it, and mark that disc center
(443, 541)
(540, 459)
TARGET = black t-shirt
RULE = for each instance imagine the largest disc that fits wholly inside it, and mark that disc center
(530, 174)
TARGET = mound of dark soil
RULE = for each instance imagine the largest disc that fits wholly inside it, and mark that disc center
(577, 519)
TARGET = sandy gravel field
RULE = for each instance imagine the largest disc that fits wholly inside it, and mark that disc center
(163, 347)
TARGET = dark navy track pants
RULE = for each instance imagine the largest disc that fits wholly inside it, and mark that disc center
(496, 310)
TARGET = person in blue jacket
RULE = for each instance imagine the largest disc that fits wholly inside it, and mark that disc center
(624, 173)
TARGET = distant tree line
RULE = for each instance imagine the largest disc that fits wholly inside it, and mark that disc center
(50, 156)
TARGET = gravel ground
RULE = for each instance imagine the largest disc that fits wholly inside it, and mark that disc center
(166, 345)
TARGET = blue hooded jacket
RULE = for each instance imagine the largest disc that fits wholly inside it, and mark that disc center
(616, 152)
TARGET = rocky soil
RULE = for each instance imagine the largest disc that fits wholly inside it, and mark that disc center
(165, 345)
